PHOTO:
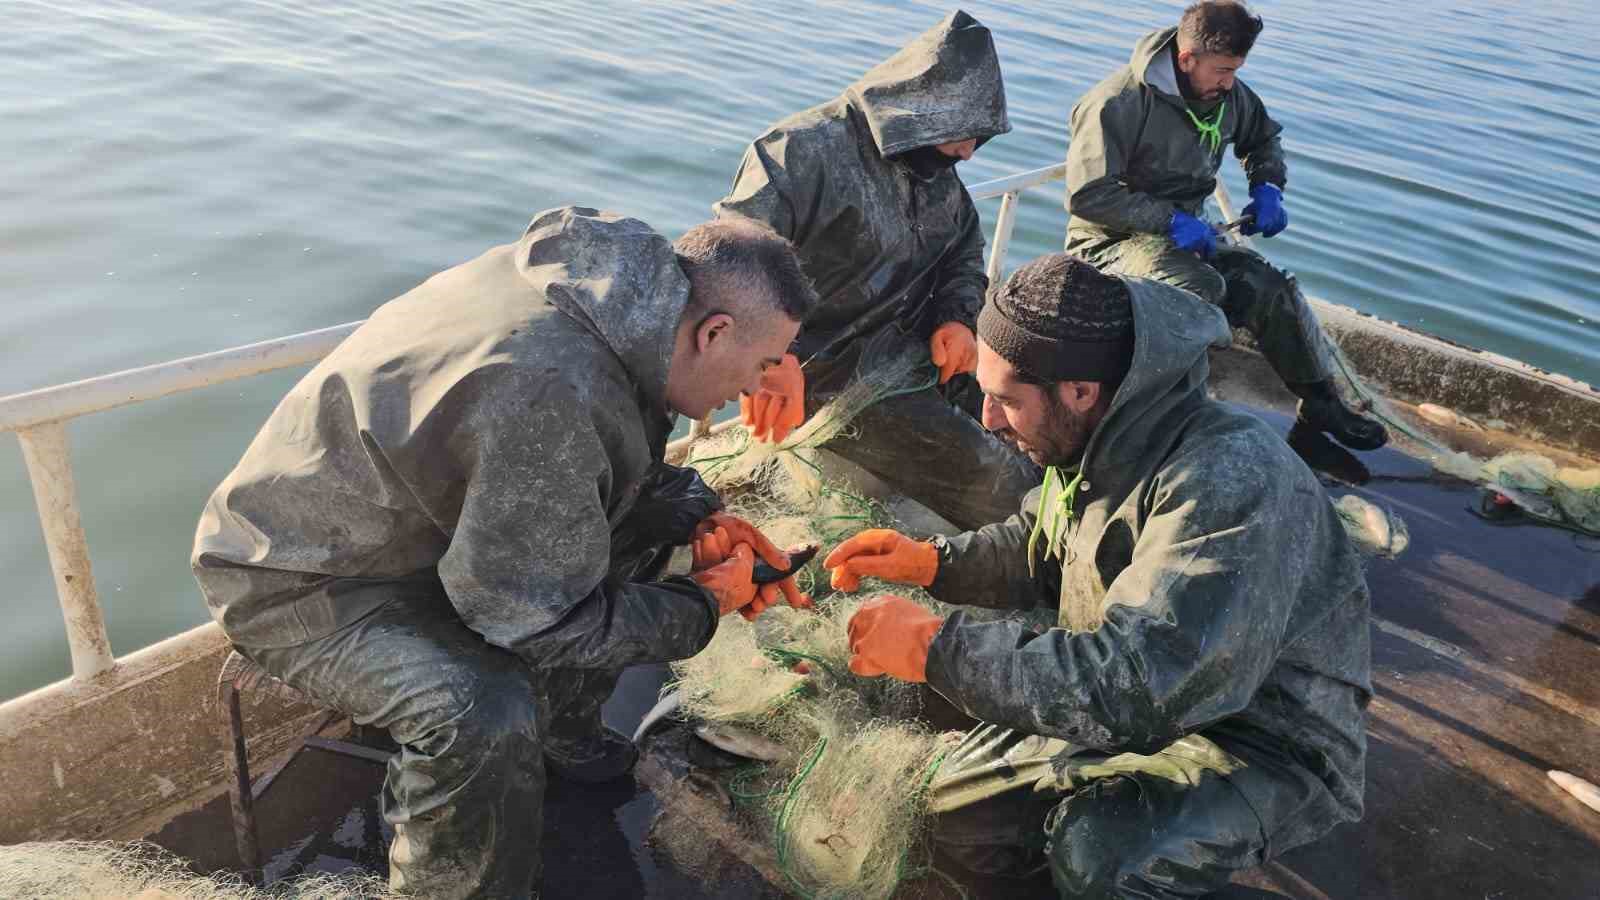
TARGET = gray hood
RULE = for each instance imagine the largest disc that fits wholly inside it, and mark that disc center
(1172, 330)
(618, 278)
(944, 86)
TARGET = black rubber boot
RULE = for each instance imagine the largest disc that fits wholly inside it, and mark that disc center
(1322, 409)
(596, 759)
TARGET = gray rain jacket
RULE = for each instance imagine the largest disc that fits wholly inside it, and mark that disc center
(1208, 585)
(881, 244)
(1135, 156)
(482, 434)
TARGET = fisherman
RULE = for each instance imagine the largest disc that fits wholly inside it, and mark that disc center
(1145, 149)
(452, 528)
(865, 185)
(1199, 706)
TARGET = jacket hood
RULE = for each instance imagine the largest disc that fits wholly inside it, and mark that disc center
(1172, 330)
(944, 86)
(1151, 63)
(617, 277)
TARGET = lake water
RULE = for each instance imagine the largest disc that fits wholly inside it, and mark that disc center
(180, 179)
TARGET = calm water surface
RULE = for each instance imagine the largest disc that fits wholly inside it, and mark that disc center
(181, 177)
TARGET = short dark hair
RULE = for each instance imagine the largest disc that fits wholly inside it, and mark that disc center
(732, 258)
(1224, 27)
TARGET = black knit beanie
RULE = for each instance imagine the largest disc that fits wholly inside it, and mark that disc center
(1058, 319)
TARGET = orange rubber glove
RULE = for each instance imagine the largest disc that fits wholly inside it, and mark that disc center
(731, 581)
(714, 540)
(890, 635)
(882, 553)
(780, 406)
(954, 350)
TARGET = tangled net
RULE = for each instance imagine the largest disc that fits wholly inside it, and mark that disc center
(106, 870)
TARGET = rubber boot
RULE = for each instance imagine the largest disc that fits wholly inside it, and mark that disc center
(1322, 409)
(600, 757)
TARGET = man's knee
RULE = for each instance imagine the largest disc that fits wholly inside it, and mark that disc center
(477, 712)
(1138, 836)
(1158, 260)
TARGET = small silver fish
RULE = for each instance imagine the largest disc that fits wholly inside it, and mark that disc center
(663, 709)
(741, 742)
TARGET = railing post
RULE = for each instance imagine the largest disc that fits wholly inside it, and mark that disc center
(44, 449)
(1002, 235)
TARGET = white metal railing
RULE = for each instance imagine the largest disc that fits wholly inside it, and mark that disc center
(39, 419)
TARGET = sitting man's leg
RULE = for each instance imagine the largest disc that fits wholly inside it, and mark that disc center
(465, 794)
(1157, 258)
(940, 456)
(1178, 823)
(1267, 302)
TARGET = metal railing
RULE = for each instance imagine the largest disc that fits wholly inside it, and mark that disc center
(39, 420)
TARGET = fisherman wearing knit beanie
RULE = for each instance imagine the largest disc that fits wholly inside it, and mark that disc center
(1056, 341)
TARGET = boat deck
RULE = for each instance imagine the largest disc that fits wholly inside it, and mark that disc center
(1486, 644)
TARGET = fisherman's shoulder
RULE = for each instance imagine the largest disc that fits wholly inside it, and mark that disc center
(818, 129)
(1120, 92)
(1235, 458)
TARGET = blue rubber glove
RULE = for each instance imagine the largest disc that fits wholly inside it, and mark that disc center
(1266, 204)
(1192, 234)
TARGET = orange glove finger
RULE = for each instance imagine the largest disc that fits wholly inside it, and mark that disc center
(766, 597)
(739, 531)
(747, 411)
(937, 351)
(842, 580)
(722, 542)
(792, 594)
(698, 553)
(889, 567)
(780, 427)
(764, 411)
(870, 541)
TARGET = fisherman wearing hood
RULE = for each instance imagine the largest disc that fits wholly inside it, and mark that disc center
(1199, 706)
(865, 185)
(1145, 149)
(453, 527)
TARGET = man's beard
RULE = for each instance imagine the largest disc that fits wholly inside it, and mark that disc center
(1063, 435)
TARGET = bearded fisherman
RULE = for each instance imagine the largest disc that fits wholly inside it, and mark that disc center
(1199, 706)
(865, 185)
(1146, 146)
(453, 528)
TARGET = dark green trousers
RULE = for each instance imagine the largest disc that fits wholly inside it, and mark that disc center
(465, 794)
(1177, 823)
(1256, 296)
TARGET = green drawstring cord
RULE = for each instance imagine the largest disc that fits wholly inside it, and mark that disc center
(1059, 505)
(1210, 132)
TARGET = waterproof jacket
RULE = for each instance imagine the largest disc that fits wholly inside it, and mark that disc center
(882, 244)
(1135, 156)
(1208, 584)
(481, 435)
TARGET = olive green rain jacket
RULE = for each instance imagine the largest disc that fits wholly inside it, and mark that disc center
(882, 244)
(1136, 156)
(482, 435)
(1204, 585)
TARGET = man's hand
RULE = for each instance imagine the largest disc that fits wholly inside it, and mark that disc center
(890, 635)
(731, 581)
(1193, 234)
(780, 405)
(714, 541)
(882, 553)
(954, 350)
(1266, 205)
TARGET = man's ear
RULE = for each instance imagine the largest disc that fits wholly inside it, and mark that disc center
(1186, 61)
(713, 328)
(1078, 396)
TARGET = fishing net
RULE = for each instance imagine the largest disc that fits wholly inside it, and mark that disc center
(104, 870)
(847, 807)
(1563, 497)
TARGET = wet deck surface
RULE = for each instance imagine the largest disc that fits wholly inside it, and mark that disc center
(1486, 652)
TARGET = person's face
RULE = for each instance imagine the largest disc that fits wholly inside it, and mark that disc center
(1050, 424)
(961, 150)
(1210, 75)
(719, 358)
